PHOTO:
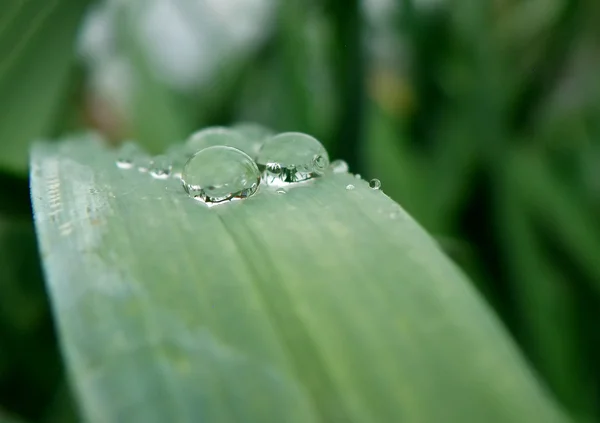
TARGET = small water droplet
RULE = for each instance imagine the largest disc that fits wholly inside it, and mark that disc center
(281, 191)
(339, 166)
(160, 168)
(218, 135)
(291, 157)
(396, 213)
(143, 163)
(357, 176)
(220, 173)
(254, 134)
(375, 183)
(128, 153)
(349, 187)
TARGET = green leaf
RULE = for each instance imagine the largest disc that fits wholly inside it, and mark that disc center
(313, 306)
(548, 309)
(36, 48)
(561, 210)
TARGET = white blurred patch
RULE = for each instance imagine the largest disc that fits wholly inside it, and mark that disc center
(185, 42)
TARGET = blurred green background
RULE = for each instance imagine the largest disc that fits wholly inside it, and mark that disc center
(481, 118)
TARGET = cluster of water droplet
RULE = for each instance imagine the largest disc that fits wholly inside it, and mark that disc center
(218, 164)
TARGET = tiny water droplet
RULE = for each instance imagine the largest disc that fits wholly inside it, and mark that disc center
(395, 213)
(375, 183)
(128, 153)
(220, 173)
(357, 176)
(281, 191)
(291, 157)
(339, 166)
(218, 135)
(349, 187)
(160, 168)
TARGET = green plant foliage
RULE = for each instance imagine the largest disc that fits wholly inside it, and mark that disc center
(324, 304)
(37, 39)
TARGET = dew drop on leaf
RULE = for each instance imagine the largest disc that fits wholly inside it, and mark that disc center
(349, 187)
(254, 134)
(160, 167)
(178, 157)
(357, 176)
(218, 135)
(339, 166)
(128, 153)
(291, 157)
(143, 162)
(375, 184)
(220, 173)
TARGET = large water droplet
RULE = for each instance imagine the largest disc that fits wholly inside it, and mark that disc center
(160, 168)
(220, 173)
(128, 153)
(375, 183)
(339, 166)
(218, 135)
(291, 157)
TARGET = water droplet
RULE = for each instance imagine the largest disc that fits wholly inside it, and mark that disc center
(160, 168)
(143, 163)
(349, 187)
(339, 166)
(218, 135)
(375, 183)
(178, 157)
(357, 176)
(220, 173)
(254, 134)
(281, 191)
(128, 153)
(396, 212)
(291, 157)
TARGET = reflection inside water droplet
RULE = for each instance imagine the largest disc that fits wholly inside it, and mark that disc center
(219, 173)
(339, 166)
(375, 184)
(281, 191)
(291, 157)
(349, 187)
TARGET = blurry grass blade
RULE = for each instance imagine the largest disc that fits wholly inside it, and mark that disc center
(36, 46)
(320, 305)
(561, 210)
(548, 307)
